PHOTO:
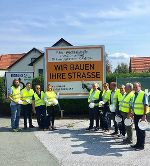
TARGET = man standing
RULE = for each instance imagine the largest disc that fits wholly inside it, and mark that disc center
(140, 106)
(26, 96)
(15, 105)
(113, 101)
(125, 108)
(95, 96)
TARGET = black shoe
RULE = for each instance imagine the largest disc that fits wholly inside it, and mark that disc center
(114, 133)
(126, 141)
(139, 148)
(89, 128)
(133, 146)
(31, 126)
(53, 128)
(96, 129)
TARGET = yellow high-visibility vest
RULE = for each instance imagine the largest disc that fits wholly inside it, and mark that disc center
(120, 98)
(138, 106)
(95, 96)
(51, 95)
(125, 103)
(26, 95)
(106, 96)
(15, 94)
(39, 101)
(115, 97)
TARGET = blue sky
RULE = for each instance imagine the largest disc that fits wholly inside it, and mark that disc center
(121, 25)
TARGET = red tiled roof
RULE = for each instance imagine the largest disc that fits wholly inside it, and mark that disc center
(139, 64)
(8, 59)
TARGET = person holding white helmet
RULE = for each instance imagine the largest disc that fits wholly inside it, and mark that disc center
(95, 96)
(51, 105)
(125, 108)
(140, 108)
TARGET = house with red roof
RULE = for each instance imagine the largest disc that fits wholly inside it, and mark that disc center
(139, 64)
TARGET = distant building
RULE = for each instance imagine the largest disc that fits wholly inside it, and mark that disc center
(7, 60)
(139, 64)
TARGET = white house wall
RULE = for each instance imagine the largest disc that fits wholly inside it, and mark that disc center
(23, 65)
(2, 73)
(38, 65)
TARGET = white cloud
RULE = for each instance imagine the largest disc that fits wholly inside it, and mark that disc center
(134, 8)
(119, 55)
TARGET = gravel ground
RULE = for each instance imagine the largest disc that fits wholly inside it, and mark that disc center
(73, 146)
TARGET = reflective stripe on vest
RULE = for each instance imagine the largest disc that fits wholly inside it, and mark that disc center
(106, 96)
(125, 104)
(39, 101)
(27, 95)
(51, 95)
(95, 96)
(138, 106)
(16, 94)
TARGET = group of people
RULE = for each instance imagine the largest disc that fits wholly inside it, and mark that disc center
(44, 105)
(128, 102)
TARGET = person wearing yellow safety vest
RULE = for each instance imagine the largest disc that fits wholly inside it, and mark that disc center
(26, 97)
(95, 96)
(15, 105)
(121, 125)
(39, 107)
(105, 119)
(125, 107)
(51, 106)
(113, 101)
(140, 108)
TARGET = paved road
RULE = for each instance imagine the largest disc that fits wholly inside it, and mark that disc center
(73, 146)
(22, 148)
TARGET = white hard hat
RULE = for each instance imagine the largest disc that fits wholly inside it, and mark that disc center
(143, 125)
(20, 102)
(91, 105)
(118, 119)
(101, 103)
(128, 122)
(55, 101)
(112, 108)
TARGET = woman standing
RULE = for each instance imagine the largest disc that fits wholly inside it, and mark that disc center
(39, 108)
(52, 106)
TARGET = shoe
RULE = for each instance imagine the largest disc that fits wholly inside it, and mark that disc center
(19, 129)
(14, 130)
(133, 146)
(53, 128)
(114, 133)
(31, 126)
(96, 129)
(139, 148)
(126, 141)
(89, 128)
(25, 128)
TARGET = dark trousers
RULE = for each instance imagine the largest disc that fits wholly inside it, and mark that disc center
(113, 114)
(94, 114)
(27, 114)
(41, 116)
(106, 121)
(51, 111)
(140, 134)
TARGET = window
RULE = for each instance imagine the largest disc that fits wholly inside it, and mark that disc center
(40, 72)
(32, 59)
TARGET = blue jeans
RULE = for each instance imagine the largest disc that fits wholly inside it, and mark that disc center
(15, 115)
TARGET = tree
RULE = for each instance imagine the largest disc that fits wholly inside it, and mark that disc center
(122, 68)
